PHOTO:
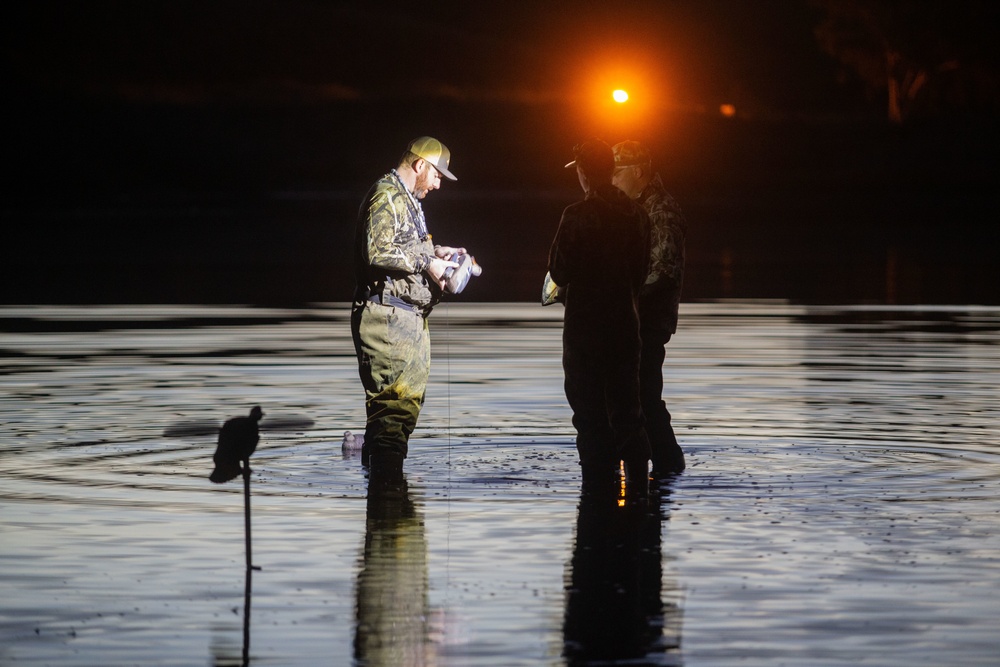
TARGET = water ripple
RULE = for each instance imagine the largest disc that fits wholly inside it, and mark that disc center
(840, 506)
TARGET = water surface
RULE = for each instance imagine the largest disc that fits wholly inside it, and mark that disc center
(840, 505)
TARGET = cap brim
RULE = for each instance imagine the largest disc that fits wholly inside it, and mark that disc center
(443, 171)
(571, 164)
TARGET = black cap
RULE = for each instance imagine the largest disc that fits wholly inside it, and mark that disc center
(594, 157)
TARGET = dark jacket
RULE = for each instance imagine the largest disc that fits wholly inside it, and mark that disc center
(600, 259)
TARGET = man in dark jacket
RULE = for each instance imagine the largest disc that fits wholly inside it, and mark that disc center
(599, 259)
(659, 297)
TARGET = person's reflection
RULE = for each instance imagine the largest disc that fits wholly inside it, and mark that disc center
(614, 597)
(392, 588)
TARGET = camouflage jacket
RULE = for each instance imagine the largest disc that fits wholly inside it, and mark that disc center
(392, 249)
(661, 295)
(600, 258)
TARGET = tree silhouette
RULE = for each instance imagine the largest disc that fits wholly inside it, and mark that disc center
(930, 57)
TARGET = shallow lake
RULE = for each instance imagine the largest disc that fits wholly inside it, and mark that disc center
(841, 504)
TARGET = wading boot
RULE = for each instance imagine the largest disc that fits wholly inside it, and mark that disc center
(667, 456)
(667, 461)
(385, 467)
(636, 479)
(599, 478)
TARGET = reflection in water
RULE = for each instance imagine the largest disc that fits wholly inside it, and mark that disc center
(392, 588)
(614, 598)
(246, 616)
(223, 655)
(842, 505)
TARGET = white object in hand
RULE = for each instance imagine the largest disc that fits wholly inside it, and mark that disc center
(456, 278)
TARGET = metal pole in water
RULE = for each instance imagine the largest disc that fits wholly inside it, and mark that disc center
(246, 514)
(250, 566)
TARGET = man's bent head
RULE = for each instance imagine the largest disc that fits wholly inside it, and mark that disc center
(434, 152)
(423, 164)
(632, 167)
(594, 162)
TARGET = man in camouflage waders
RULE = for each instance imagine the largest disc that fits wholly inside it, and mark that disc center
(400, 277)
(659, 297)
(599, 259)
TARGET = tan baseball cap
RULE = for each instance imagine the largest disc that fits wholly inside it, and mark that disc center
(434, 152)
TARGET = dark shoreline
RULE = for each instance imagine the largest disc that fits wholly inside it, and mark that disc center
(154, 204)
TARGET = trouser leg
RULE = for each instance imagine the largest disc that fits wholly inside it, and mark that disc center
(625, 415)
(393, 348)
(624, 411)
(602, 390)
(585, 392)
(666, 452)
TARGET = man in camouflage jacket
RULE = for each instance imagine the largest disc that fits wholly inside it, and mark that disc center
(399, 277)
(660, 295)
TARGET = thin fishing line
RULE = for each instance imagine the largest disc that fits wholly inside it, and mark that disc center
(447, 354)
(447, 491)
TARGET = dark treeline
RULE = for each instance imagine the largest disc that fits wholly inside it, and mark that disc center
(117, 202)
(193, 152)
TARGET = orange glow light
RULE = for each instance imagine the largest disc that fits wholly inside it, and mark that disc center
(620, 95)
(727, 110)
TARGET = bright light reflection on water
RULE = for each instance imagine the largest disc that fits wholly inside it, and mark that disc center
(841, 503)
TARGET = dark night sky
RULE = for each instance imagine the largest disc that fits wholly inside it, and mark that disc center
(698, 53)
(391, 66)
(154, 138)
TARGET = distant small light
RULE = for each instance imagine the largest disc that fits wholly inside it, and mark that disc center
(620, 96)
(727, 110)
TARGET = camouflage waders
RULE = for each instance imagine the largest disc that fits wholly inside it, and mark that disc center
(394, 359)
